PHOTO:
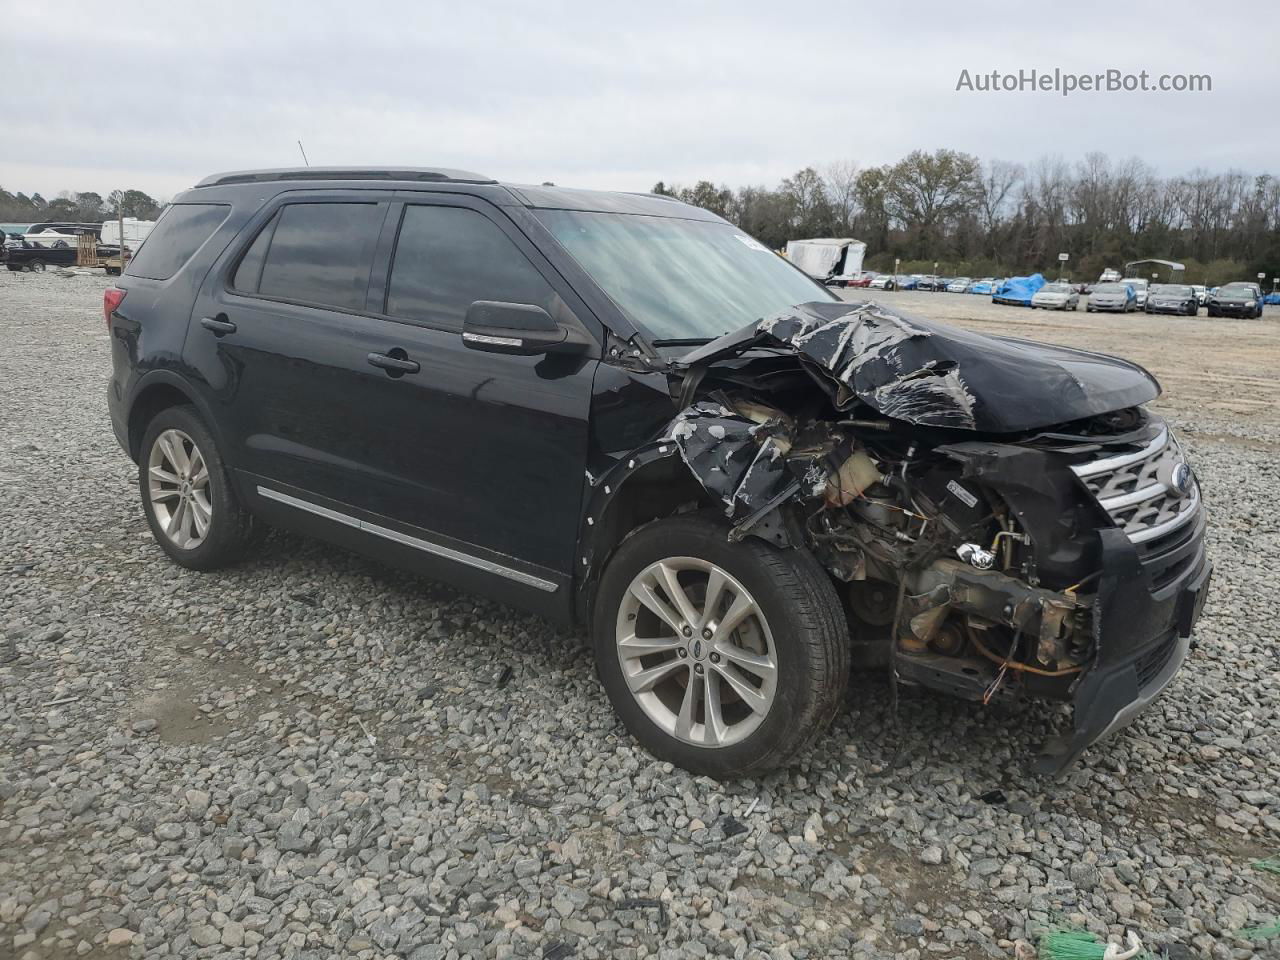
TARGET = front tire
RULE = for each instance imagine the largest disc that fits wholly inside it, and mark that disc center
(191, 507)
(726, 659)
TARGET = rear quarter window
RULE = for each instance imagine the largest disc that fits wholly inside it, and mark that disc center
(178, 234)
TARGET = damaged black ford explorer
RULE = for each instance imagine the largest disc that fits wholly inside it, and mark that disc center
(621, 411)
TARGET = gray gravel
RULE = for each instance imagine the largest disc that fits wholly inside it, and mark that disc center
(315, 756)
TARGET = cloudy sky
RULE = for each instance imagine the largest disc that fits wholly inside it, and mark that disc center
(608, 94)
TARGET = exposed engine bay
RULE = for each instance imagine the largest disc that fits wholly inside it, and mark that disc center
(977, 535)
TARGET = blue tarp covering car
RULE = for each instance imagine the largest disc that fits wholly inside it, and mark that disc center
(1272, 299)
(1018, 291)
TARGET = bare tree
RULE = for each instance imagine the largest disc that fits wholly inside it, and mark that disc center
(840, 181)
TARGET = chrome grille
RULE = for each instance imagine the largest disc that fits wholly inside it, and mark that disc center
(1136, 489)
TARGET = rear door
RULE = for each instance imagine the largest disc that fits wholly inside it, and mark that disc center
(279, 338)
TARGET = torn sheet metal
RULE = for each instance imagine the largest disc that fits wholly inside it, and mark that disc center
(934, 375)
(739, 461)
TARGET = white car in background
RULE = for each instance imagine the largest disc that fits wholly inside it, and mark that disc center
(1056, 296)
(1139, 289)
(958, 285)
(884, 281)
(1202, 293)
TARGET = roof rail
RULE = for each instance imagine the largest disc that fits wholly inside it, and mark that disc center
(650, 193)
(413, 174)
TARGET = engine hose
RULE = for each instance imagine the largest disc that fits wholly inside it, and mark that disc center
(1013, 664)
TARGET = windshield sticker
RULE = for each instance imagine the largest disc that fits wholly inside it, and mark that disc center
(752, 244)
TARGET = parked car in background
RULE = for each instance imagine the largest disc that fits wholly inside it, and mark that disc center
(1112, 298)
(1109, 276)
(883, 281)
(1055, 296)
(931, 282)
(445, 390)
(1140, 288)
(959, 285)
(986, 286)
(863, 279)
(1239, 299)
(1202, 293)
(1176, 298)
(903, 282)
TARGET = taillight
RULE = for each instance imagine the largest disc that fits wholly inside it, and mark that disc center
(112, 297)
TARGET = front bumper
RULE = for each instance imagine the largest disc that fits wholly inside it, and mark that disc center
(1234, 309)
(1109, 307)
(1145, 612)
(1181, 309)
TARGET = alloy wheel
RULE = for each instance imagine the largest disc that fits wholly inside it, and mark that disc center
(178, 485)
(696, 652)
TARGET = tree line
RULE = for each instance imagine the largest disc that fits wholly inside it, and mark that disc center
(77, 207)
(996, 218)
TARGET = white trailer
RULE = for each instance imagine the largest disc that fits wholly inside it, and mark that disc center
(825, 258)
(135, 231)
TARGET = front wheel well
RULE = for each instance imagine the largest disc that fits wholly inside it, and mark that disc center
(146, 407)
(652, 491)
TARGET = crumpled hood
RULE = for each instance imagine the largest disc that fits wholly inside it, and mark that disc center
(935, 375)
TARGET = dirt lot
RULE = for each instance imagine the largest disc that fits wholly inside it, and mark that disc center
(314, 756)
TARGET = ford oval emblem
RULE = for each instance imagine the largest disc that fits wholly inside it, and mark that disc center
(1182, 479)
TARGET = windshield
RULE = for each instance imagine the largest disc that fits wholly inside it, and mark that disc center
(1133, 282)
(681, 279)
(1172, 290)
(1055, 288)
(1109, 288)
(1236, 290)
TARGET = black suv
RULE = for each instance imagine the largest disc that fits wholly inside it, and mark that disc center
(621, 411)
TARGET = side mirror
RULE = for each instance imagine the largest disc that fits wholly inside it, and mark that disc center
(519, 328)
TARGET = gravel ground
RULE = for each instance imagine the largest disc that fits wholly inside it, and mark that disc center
(314, 756)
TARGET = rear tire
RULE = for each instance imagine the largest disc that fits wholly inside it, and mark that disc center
(763, 692)
(187, 495)
(36, 266)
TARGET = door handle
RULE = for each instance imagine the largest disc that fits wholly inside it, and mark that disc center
(220, 327)
(395, 365)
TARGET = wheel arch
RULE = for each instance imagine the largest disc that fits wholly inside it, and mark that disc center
(650, 484)
(156, 392)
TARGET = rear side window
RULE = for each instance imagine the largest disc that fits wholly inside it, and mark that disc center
(177, 236)
(319, 253)
(448, 257)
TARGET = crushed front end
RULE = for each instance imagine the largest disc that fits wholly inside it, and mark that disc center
(1053, 548)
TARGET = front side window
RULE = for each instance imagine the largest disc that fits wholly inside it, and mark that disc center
(448, 257)
(319, 253)
(178, 234)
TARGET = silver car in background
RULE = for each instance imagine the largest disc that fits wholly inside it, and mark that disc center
(1113, 298)
(1056, 296)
